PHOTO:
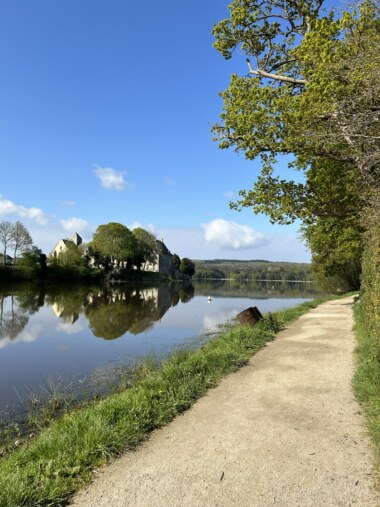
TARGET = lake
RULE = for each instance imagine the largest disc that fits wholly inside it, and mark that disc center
(66, 334)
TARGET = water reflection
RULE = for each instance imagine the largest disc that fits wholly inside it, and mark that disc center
(13, 318)
(113, 311)
(110, 311)
(256, 290)
(75, 332)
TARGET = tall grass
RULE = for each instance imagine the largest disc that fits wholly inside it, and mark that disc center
(47, 470)
(367, 375)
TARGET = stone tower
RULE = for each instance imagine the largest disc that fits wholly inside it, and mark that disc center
(76, 239)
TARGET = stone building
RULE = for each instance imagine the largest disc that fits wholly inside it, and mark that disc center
(63, 244)
(163, 262)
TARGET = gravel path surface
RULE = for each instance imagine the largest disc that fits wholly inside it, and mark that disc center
(284, 430)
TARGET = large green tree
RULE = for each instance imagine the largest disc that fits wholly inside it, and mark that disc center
(312, 90)
(312, 87)
(115, 241)
(33, 262)
(187, 267)
(146, 247)
(332, 223)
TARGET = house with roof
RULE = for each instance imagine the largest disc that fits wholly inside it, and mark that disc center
(162, 262)
(64, 244)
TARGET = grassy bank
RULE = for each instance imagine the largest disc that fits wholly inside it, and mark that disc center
(367, 375)
(50, 467)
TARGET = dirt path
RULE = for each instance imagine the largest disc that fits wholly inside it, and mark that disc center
(285, 430)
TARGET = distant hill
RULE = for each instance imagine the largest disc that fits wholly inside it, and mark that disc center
(252, 270)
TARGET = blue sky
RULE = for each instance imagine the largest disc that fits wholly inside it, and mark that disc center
(105, 115)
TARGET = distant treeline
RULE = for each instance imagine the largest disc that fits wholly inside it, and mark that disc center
(252, 270)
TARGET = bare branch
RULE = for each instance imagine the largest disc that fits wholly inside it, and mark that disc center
(277, 77)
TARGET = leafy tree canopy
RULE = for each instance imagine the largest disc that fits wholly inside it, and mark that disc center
(176, 261)
(146, 245)
(116, 241)
(312, 87)
(33, 260)
(187, 267)
(145, 236)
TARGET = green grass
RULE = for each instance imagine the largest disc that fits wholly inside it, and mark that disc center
(47, 470)
(367, 376)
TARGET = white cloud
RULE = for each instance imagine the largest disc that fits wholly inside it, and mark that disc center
(191, 242)
(74, 224)
(67, 328)
(134, 225)
(111, 179)
(28, 335)
(233, 236)
(149, 227)
(31, 334)
(9, 208)
(170, 182)
(68, 203)
(229, 194)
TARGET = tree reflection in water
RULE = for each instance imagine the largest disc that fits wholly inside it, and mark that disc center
(12, 318)
(112, 311)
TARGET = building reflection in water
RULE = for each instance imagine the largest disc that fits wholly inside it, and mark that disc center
(112, 311)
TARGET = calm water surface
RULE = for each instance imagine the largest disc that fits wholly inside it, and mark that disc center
(70, 333)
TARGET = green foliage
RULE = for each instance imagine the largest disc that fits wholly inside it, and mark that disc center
(115, 241)
(146, 247)
(314, 92)
(71, 257)
(332, 224)
(176, 261)
(367, 327)
(187, 267)
(33, 262)
(371, 272)
(252, 270)
(70, 264)
(367, 375)
(31, 265)
(315, 87)
(146, 237)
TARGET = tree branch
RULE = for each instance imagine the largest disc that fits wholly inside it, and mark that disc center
(277, 77)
